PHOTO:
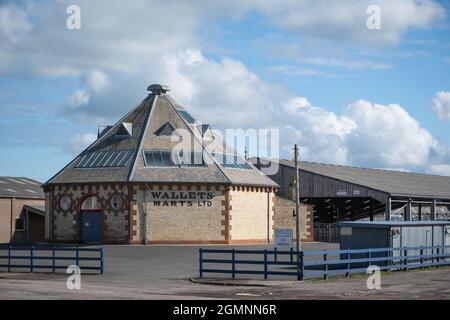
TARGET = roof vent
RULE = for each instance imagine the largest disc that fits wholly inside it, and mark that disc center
(158, 89)
(102, 129)
(126, 129)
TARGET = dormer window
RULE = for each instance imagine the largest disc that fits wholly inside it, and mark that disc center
(166, 130)
(125, 130)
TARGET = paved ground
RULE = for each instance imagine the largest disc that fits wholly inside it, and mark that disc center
(164, 272)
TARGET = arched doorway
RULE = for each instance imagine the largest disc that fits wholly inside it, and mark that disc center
(91, 220)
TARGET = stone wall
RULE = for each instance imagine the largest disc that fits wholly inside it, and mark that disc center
(251, 214)
(226, 214)
(66, 224)
(284, 217)
(182, 213)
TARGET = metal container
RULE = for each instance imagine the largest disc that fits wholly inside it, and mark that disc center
(395, 234)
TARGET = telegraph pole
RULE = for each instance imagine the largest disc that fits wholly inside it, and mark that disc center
(297, 209)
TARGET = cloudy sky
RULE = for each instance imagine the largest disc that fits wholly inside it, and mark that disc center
(313, 69)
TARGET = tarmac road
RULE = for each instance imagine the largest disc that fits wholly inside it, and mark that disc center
(164, 272)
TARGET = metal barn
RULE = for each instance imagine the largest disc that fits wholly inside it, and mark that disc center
(342, 193)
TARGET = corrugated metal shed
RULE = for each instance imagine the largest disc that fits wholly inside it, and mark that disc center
(378, 182)
(20, 187)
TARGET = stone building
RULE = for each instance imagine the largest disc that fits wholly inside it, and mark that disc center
(158, 176)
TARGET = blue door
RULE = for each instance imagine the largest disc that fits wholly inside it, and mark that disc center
(91, 226)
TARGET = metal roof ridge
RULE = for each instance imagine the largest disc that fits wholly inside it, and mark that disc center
(141, 139)
(201, 143)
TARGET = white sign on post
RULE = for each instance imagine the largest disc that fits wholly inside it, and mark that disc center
(283, 239)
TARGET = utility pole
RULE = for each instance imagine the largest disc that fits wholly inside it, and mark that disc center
(297, 209)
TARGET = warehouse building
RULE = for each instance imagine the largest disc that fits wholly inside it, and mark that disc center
(341, 193)
(159, 176)
(21, 210)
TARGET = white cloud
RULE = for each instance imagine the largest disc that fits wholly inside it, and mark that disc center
(80, 142)
(14, 22)
(367, 134)
(122, 48)
(346, 19)
(78, 98)
(443, 169)
(97, 81)
(441, 105)
(386, 136)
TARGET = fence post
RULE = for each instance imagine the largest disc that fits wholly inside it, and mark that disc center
(77, 256)
(405, 260)
(369, 256)
(348, 265)
(325, 266)
(200, 262)
(275, 256)
(31, 259)
(53, 260)
(101, 260)
(421, 257)
(438, 259)
(292, 255)
(302, 267)
(9, 258)
(233, 263)
(265, 264)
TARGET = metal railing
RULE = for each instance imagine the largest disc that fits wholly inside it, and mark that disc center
(49, 259)
(319, 263)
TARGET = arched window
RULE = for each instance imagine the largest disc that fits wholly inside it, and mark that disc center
(91, 203)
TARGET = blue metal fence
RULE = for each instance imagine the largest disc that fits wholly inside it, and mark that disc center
(50, 259)
(318, 263)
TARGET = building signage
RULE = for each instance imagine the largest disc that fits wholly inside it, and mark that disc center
(162, 198)
(346, 231)
(341, 193)
(283, 239)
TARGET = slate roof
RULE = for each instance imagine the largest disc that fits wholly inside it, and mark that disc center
(388, 181)
(157, 111)
(20, 187)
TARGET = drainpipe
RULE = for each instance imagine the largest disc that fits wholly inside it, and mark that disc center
(388, 208)
(11, 220)
(268, 216)
(433, 210)
(144, 216)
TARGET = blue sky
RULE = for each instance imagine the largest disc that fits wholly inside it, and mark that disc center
(346, 94)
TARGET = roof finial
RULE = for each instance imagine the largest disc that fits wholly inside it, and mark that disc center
(158, 89)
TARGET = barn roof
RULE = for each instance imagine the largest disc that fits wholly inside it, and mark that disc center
(20, 187)
(133, 148)
(394, 183)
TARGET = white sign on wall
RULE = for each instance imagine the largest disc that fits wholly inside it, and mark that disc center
(283, 239)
